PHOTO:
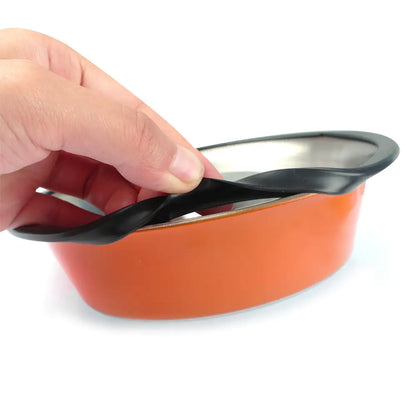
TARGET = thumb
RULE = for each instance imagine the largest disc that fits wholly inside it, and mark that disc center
(51, 114)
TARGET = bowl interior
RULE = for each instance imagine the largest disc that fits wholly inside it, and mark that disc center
(235, 161)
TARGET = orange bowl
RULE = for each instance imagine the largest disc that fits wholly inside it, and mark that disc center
(219, 263)
(237, 259)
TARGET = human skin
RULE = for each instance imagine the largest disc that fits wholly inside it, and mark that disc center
(67, 126)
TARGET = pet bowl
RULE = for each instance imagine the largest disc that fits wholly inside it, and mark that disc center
(255, 253)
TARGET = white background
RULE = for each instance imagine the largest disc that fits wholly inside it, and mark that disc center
(221, 71)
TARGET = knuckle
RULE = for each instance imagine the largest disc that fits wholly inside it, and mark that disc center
(14, 36)
(25, 69)
(146, 138)
(18, 82)
(14, 32)
(19, 74)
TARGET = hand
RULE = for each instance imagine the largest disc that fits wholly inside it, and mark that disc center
(67, 126)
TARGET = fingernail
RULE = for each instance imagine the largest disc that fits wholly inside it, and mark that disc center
(186, 166)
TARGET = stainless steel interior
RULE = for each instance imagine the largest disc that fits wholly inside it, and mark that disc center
(237, 161)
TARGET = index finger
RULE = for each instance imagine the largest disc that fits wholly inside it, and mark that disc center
(66, 62)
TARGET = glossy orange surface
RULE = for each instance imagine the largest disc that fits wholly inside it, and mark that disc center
(219, 264)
